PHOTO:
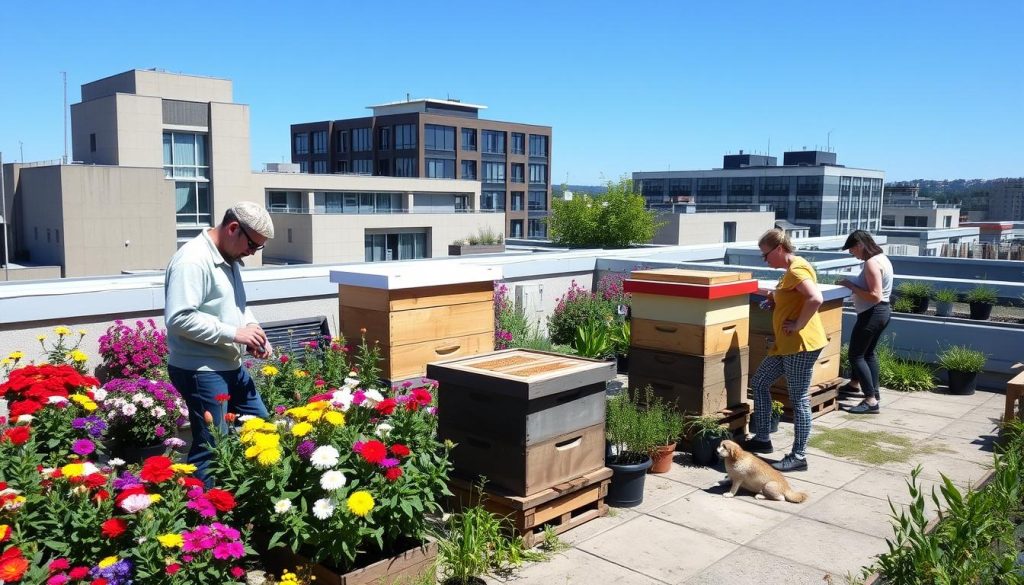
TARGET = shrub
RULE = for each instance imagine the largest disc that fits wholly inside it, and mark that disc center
(616, 219)
(139, 352)
(914, 289)
(575, 308)
(903, 305)
(142, 412)
(593, 340)
(946, 295)
(511, 327)
(900, 374)
(634, 429)
(707, 426)
(485, 236)
(982, 294)
(960, 358)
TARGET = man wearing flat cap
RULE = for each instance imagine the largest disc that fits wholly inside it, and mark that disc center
(209, 327)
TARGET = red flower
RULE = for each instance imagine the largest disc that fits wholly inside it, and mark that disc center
(95, 480)
(113, 528)
(12, 565)
(134, 490)
(5, 532)
(373, 452)
(222, 397)
(238, 572)
(99, 581)
(387, 406)
(79, 573)
(157, 469)
(173, 568)
(400, 450)
(21, 407)
(422, 396)
(393, 473)
(222, 500)
(17, 435)
(101, 496)
(284, 359)
(190, 483)
(59, 564)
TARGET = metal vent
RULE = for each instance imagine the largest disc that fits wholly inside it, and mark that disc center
(186, 113)
(292, 335)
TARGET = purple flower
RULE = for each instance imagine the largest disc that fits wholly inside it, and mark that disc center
(118, 573)
(83, 447)
(305, 449)
(126, 481)
(388, 462)
(78, 423)
(174, 443)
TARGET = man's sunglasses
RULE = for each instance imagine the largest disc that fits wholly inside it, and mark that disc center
(253, 247)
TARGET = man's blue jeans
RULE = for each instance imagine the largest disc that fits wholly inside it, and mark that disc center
(200, 390)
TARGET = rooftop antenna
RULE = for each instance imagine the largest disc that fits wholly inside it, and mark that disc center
(64, 75)
(828, 148)
(407, 97)
(769, 146)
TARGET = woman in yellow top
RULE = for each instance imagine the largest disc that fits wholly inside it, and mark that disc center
(799, 339)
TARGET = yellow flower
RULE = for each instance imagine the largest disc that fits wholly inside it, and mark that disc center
(314, 416)
(335, 418)
(154, 498)
(289, 578)
(269, 457)
(16, 355)
(78, 355)
(269, 371)
(302, 429)
(6, 362)
(300, 373)
(298, 412)
(185, 468)
(72, 470)
(89, 406)
(253, 424)
(41, 338)
(252, 451)
(108, 561)
(360, 503)
(82, 332)
(171, 540)
(62, 330)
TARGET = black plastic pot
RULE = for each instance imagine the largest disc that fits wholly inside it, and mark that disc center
(963, 383)
(773, 428)
(627, 486)
(920, 305)
(981, 311)
(703, 449)
(622, 364)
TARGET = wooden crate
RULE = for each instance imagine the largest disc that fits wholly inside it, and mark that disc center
(830, 313)
(687, 338)
(522, 373)
(703, 371)
(735, 418)
(691, 311)
(525, 470)
(418, 325)
(693, 399)
(824, 398)
(561, 507)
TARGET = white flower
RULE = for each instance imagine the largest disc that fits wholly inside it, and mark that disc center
(56, 400)
(146, 402)
(373, 397)
(324, 457)
(99, 394)
(246, 417)
(332, 480)
(350, 383)
(89, 469)
(158, 412)
(128, 410)
(383, 429)
(322, 508)
(136, 503)
(282, 506)
(116, 462)
(342, 399)
(25, 419)
(138, 397)
(281, 422)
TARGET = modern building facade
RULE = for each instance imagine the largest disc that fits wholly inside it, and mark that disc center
(688, 224)
(1006, 200)
(808, 189)
(440, 139)
(919, 212)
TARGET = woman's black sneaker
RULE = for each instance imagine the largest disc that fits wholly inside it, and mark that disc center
(756, 446)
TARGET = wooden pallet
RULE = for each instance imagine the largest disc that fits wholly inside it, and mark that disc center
(735, 418)
(824, 398)
(561, 507)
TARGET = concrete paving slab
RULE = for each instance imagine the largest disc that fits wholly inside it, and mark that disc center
(885, 485)
(979, 450)
(943, 393)
(694, 475)
(836, 550)
(754, 566)
(814, 492)
(852, 511)
(962, 473)
(733, 519)
(576, 567)
(658, 548)
(984, 413)
(613, 518)
(902, 419)
(970, 430)
(918, 404)
(659, 490)
(830, 471)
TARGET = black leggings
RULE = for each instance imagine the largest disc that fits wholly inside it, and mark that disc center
(866, 333)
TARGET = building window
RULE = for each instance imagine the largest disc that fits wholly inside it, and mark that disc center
(362, 166)
(812, 186)
(303, 166)
(401, 246)
(384, 138)
(517, 201)
(405, 167)
(361, 140)
(539, 174)
(536, 228)
(301, 143)
(320, 167)
(440, 168)
(517, 228)
(947, 221)
(185, 155)
(889, 221)
(518, 143)
(320, 142)
(439, 137)
(353, 202)
(492, 200)
(729, 231)
(289, 235)
(808, 208)
(342, 145)
(494, 142)
(680, 188)
(469, 139)
(538, 200)
(518, 172)
(343, 166)
(469, 169)
(538, 145)
(915, 221)
(461, 203)
(384, 167)
(192, 202)
(92, 142)
(405, 137)
(494, 172)
(709, 188)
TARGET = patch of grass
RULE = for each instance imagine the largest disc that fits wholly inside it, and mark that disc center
(874, 447)
(551, 543)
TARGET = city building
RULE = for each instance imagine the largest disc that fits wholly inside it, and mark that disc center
(440, 139)
(808, 189)
(686, 224)
(919, 212)
(1006, 200)
(158, 157)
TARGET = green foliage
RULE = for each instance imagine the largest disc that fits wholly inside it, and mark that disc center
(574, 309)
(914, 289)
(637, 423)
(901, 374)
(903, 305)
(982, 294)
(619, 331)
(946, 295)
(777, 408)
(706, 426)
(593, 340)
(485, 236)
(511, 327)
(615, 219)
(975, 540)
(960, 358)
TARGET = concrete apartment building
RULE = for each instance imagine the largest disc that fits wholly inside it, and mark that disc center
(440, 139)
(1006, 200)
(160, 156)
(808, 189)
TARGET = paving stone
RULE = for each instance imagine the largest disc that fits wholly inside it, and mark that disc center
(659, 490)
(979, 450)
(929, 405)
(829, 471)
(733, 519)
(969, 429)
(694, 475)
(814, 492)
(836, 550)
(655, 548)
(885, 485)
(852, 511)
(576, 567)
(902, 419)
(942, 393)
(747, 565)
(960, 472)
(613, 518)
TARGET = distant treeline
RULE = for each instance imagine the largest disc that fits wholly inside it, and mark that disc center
(954, 191)
(556, 190)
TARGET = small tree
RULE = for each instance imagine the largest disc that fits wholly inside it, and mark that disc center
(615, 219)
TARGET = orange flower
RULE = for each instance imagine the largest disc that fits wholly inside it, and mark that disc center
(12, 565)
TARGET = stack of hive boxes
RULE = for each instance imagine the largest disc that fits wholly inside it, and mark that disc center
(825, 378)
(688, 339)
(531, 423)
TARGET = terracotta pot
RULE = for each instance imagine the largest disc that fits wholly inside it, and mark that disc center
(662, 457)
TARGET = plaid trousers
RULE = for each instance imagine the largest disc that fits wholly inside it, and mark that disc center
(797, 368)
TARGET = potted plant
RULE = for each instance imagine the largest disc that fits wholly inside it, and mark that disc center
(903, 305)
(619, 331)
(962, 365)
(706, 433)
(918, 293)
(981, 299)
(141, 414)
(944, 299)
(633, 433)
(666, 425)
(485, 241)
(593, 340)
(775, 419)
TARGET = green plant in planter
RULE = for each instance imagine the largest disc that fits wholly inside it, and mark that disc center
(634, 429)
(959, 358)
(914, 289)
(946, 295)
(903, 375)
(619, 332)
(663, 419)
(903, 305)
(776, 409)
(982, 294)
(593, 340)
(707, 426)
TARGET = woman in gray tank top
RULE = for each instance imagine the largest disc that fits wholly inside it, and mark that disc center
(871, 289)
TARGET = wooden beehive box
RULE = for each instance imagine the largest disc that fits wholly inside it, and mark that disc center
(689, 296)
(702, 371)
(688, 338)
(760, 344)
(416, 316)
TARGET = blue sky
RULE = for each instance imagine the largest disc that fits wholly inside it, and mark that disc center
(917, 89)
